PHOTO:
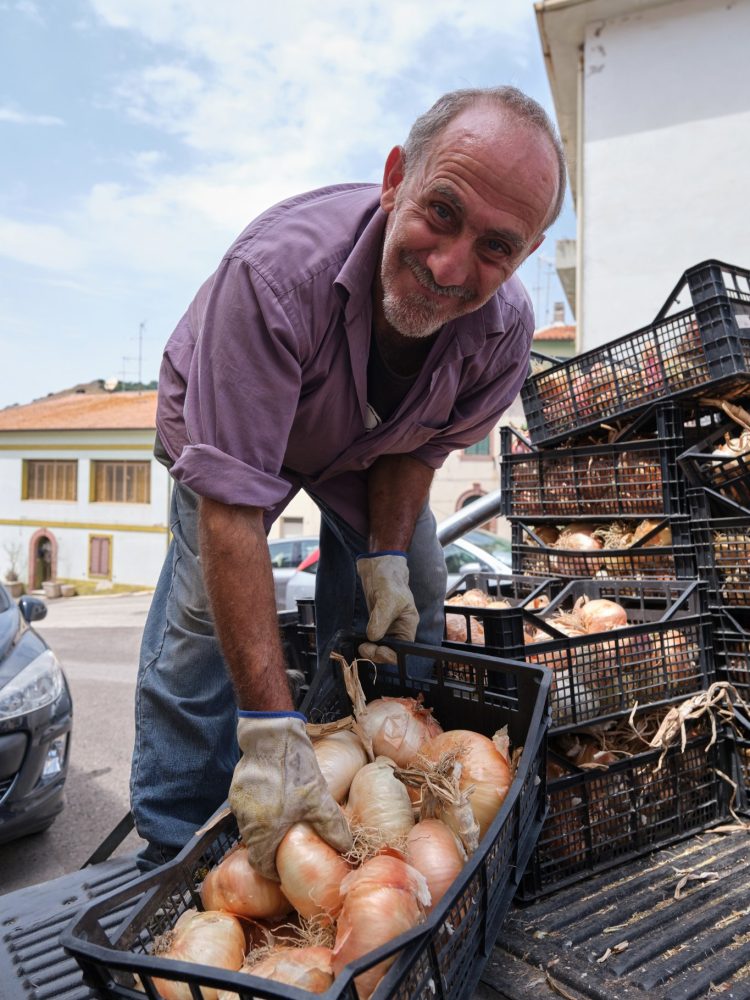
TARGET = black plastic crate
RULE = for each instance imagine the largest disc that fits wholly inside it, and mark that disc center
(112, 939)
(633, 478)
(728, 476)
(675, 561)
(722, 548)
(663, 654)
(700, 340)
(499, 628)
(600, 819)
(731, 630)
(742, 751)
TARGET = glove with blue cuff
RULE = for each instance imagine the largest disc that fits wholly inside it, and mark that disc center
(277, 783)
(385, 581)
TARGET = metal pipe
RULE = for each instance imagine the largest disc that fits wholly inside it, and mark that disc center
(469, 517)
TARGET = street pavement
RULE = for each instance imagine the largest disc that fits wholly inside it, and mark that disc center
(97, 640)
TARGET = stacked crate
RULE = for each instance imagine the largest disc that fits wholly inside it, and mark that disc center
(608, 434)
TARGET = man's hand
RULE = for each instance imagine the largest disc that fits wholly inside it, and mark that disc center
(385, 581)
(276, 783)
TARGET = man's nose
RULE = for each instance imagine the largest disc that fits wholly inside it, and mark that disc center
(449, 261)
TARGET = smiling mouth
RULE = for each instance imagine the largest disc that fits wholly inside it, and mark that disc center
(425, 280)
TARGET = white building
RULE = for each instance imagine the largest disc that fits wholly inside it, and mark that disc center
(653, 103)
(81, 496)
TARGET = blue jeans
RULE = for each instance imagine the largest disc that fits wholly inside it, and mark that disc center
(185, 711)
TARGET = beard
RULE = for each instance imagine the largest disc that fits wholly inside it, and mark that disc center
(412, 314)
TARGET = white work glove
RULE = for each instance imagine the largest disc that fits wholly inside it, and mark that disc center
(385, 581)
(277, 783)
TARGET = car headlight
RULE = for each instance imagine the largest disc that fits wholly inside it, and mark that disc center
(38, 684)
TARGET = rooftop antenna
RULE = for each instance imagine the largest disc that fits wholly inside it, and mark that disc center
(139, 359)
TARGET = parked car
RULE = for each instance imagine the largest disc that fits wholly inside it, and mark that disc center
(478, 551)
(286, 555)
(35, 722)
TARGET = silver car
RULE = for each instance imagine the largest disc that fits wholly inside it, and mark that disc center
(478, 551)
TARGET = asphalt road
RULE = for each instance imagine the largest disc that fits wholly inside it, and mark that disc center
(97, 641)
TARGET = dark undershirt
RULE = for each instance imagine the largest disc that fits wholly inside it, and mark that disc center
(385, 389)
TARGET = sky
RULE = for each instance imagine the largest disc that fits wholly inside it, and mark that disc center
(139, 137)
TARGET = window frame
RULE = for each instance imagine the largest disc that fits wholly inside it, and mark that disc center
(98, 465)
(57, 463)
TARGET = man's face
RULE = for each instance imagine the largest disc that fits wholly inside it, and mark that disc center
(466, 216)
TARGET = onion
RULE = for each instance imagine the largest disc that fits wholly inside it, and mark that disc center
(546, 533)
(483, 765)
(578, 539)
(397, 727)
(234, 887)
(382, 899)
(661, 539)
(311, 872)
(433, 849)
(600, 615)
(206, 938)
(340, 756)
(309, 968)
(378, 801)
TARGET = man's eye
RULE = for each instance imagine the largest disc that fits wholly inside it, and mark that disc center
(497, 247)
(441, 211)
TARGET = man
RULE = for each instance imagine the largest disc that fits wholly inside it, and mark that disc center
(350, 339)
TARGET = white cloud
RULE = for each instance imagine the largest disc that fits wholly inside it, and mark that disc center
(24, 118)
(41, 245)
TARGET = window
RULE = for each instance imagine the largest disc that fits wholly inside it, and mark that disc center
(121, 482)
(282, 555)
(480, 448)
(100, 555)
(291, 526)
(48, 479)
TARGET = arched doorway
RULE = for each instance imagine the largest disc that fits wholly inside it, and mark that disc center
(42, 558)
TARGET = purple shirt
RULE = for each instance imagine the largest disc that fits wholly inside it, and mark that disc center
(263, 383)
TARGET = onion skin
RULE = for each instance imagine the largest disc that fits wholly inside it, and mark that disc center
(482, 765)
(234, 887)
(601, 615)
(382, 899)
(340, 756)
(308, 969)
(311, 872)
(433, 850)
(216, 940)
(379, 802)
(398, 728)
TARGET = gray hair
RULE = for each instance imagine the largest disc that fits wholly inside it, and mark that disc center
(449, 106)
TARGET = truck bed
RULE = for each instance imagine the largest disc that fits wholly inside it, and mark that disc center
(673, 926)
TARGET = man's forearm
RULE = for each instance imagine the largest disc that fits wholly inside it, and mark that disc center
(239, 581)
(398, 487)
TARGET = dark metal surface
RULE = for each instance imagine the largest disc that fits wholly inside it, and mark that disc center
(666, 941)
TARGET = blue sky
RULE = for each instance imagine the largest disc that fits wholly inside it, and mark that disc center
(140, 136)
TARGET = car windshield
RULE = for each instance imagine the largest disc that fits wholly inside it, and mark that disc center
(493, 544)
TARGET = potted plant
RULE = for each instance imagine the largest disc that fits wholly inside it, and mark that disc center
(13, 551)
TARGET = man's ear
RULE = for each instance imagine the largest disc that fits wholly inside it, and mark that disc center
(536, 245)
(392, 177)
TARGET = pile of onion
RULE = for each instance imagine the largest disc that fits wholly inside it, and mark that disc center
(336, 908)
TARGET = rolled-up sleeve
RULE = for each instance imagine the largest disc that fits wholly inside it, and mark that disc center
(242, 392)
(479, 407)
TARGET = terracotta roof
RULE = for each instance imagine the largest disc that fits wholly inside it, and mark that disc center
(84, 411)
(558, 331)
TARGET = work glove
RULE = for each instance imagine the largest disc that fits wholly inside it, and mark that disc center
(385, 581)
(277, 783)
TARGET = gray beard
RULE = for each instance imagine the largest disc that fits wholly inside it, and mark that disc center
(413, 315)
